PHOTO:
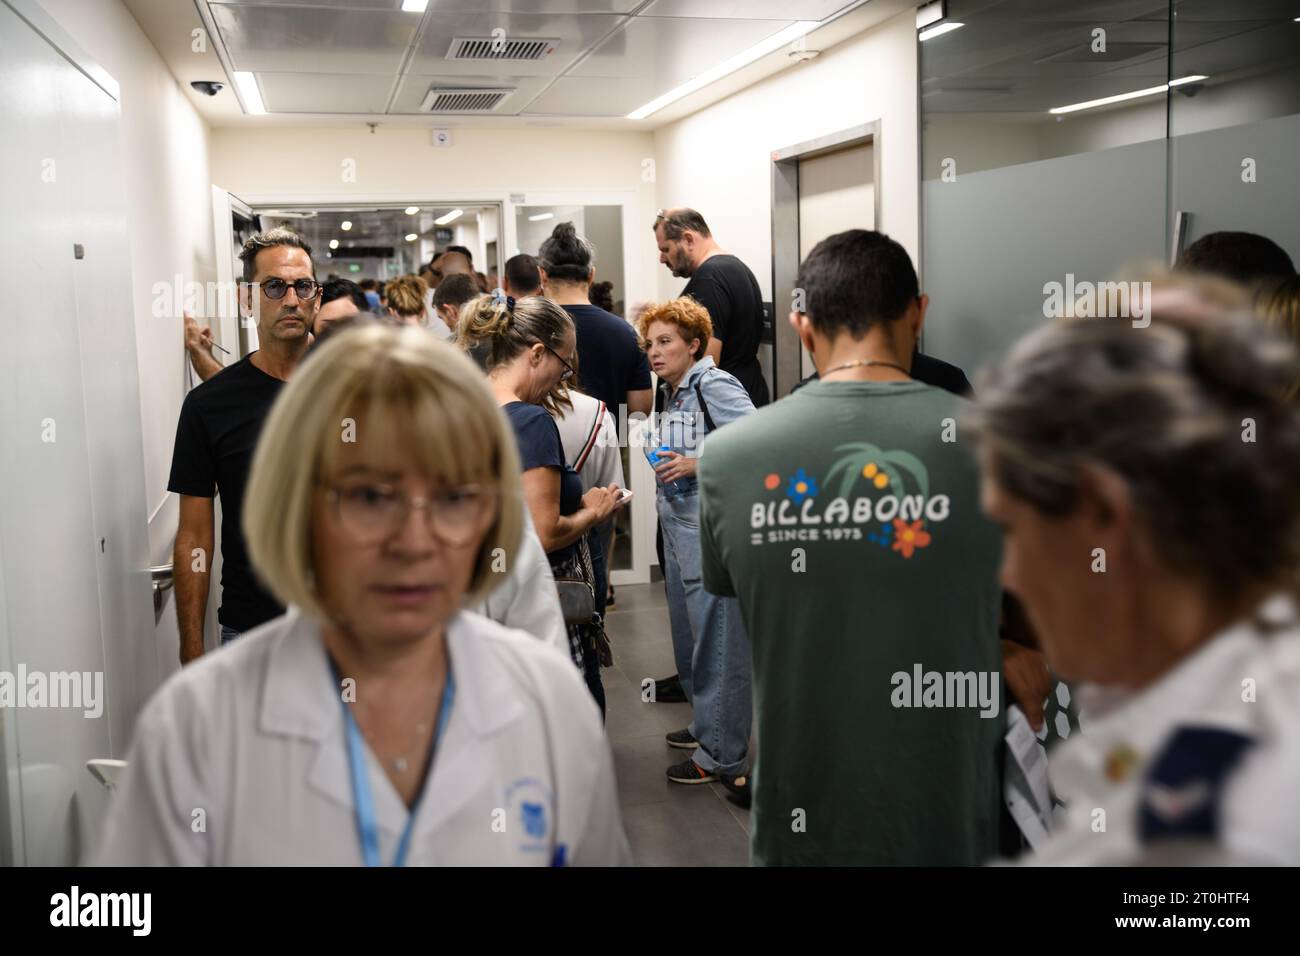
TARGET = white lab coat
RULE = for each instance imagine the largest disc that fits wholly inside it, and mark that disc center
(1245, 682)
(241, 759)
(527, 599)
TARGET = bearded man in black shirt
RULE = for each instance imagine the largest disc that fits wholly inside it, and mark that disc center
(722, 284)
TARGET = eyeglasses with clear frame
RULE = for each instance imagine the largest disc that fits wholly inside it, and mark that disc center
(372, 512)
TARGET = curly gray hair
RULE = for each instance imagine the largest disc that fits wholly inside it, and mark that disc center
(1188, 411)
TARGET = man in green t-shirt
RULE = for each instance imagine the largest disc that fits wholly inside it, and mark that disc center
(846, 520)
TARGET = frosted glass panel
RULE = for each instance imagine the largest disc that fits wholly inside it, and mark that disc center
(992, 239)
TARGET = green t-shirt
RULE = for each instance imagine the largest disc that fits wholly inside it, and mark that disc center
(846, 520)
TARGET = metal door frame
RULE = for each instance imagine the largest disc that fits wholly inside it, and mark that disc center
(785, 236)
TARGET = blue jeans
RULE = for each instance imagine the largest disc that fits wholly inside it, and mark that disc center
(709, 643)
(228, 634)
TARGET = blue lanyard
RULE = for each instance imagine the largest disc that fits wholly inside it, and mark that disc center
(363, 801)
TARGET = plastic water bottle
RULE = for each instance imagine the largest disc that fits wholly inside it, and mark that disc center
(653, 456)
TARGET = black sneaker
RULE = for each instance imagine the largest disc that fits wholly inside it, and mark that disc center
(689, 772)
(682, 739)
(738, 789)
(609, 599)
(668, 690)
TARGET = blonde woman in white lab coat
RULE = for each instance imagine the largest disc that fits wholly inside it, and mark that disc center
(377, 722)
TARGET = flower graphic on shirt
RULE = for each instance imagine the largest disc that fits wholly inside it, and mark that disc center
(909, 537)
(772, 481)
(802, 486)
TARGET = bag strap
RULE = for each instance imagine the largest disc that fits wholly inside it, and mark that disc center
(590, 443)
(704, 406)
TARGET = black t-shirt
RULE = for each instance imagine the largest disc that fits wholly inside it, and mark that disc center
(540, 447)
(725, 286)
(611, 362)
(215, 438)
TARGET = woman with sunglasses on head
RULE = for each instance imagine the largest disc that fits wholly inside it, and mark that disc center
(378, 721)
(530, 345)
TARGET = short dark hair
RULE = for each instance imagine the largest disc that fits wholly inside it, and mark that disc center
(279, 236)
(1244, 257)
(601, 295)
(856, 280)
(463, 251)
(565, 255)
(456, 289)
(677, 221)
(343, 289)
(522, 274)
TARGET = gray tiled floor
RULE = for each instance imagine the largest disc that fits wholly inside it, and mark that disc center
(667, 824)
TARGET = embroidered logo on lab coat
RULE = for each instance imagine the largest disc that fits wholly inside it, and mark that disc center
(529, 815)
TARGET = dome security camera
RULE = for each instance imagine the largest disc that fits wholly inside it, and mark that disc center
(208, 87)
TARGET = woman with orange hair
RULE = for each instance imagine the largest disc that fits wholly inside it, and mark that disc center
(709, 639)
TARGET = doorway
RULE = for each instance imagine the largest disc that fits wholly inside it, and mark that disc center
(819, 188)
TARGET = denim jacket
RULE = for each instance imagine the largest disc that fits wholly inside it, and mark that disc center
(683, 426)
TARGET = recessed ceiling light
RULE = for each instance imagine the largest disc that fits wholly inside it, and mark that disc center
(938, 30)
(791, 33)
(345, 225)
(411, 237)
(334, 243)
(449, 217)
(250, 94)
(412, 210)
(540, 216)
(1121, 97)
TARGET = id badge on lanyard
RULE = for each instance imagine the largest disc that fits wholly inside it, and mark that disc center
(363, 800)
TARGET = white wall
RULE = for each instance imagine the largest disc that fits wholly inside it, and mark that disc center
(169, 214)
(719, 159)
(402, 165)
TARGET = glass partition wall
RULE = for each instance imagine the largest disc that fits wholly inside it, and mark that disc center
(1068, 142)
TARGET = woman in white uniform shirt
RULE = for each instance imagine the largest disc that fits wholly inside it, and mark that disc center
(377, 722)
(1147, 480)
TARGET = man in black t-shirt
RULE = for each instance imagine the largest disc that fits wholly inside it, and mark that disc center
(722, 284)
(217, 434)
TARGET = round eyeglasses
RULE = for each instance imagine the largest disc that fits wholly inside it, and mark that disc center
(373, 512)
(303, 288)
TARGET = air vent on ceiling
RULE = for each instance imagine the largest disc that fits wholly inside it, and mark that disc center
(462, 100)
(500, 48)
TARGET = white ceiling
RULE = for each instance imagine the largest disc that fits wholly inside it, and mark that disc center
(346, 61)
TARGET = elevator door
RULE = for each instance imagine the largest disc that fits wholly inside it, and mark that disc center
(836, 192)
